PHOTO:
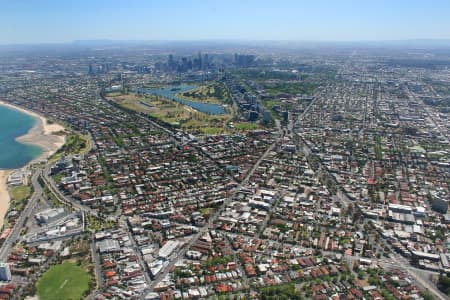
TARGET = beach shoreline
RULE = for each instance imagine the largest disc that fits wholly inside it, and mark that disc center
(42, 135)
(4, 195)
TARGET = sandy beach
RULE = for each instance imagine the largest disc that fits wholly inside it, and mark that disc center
(42, 135)
(4, 195)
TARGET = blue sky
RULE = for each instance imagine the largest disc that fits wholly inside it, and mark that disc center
(44, 21)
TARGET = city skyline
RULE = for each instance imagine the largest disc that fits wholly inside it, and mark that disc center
(57, 22)
(225, 150)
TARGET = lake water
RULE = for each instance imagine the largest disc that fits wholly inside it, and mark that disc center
(171, 91)
(13, 124)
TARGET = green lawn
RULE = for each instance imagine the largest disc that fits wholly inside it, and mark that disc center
(96, 224)
(19, 196)
(206, 212)
(64, 281)
(75, 144)
(57, 178)
(211, 130)
(246, 126)
(212, 93)
(175, 113)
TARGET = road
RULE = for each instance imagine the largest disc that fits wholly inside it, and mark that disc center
(416, 274)
(213, 218)
(137, 251)
(400, 262)
(24, 215)
(425, 107)
(173, 260)
(61, 197)
(266, 220)
(205, 228)
(98, 268)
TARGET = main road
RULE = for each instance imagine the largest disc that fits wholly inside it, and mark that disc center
(214, 217)
(61, 197)
(15, 232)
(400, 262)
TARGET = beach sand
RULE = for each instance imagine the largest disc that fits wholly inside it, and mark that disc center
(42, 135)
(4, 195)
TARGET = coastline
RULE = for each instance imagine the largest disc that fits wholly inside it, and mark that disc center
(42, 135)
(4, 195)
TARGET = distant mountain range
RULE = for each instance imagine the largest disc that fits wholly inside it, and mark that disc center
(416, 43)
(440, 45)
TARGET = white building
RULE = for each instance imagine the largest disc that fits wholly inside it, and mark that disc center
(168, 249)
(50, 215)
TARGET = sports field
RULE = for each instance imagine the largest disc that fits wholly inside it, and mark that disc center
(63, 282)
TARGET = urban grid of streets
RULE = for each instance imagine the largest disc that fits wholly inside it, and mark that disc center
(353, 163)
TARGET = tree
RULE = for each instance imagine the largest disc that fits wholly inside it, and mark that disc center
(427, 295)
(444, 283)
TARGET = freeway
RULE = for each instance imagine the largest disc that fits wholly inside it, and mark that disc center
(15, 233)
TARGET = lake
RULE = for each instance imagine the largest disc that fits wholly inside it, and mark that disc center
(170, 92)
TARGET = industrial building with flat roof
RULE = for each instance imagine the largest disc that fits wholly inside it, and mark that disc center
(108, 245)
(168, 249)
(50, 215)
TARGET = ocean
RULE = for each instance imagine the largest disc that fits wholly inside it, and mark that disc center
(13, 124)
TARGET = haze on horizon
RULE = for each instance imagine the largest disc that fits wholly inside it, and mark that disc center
(51, 21)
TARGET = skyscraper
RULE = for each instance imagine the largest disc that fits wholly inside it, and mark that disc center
(242, 60)
(200, 63)
(171, 63)
(205, 62)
